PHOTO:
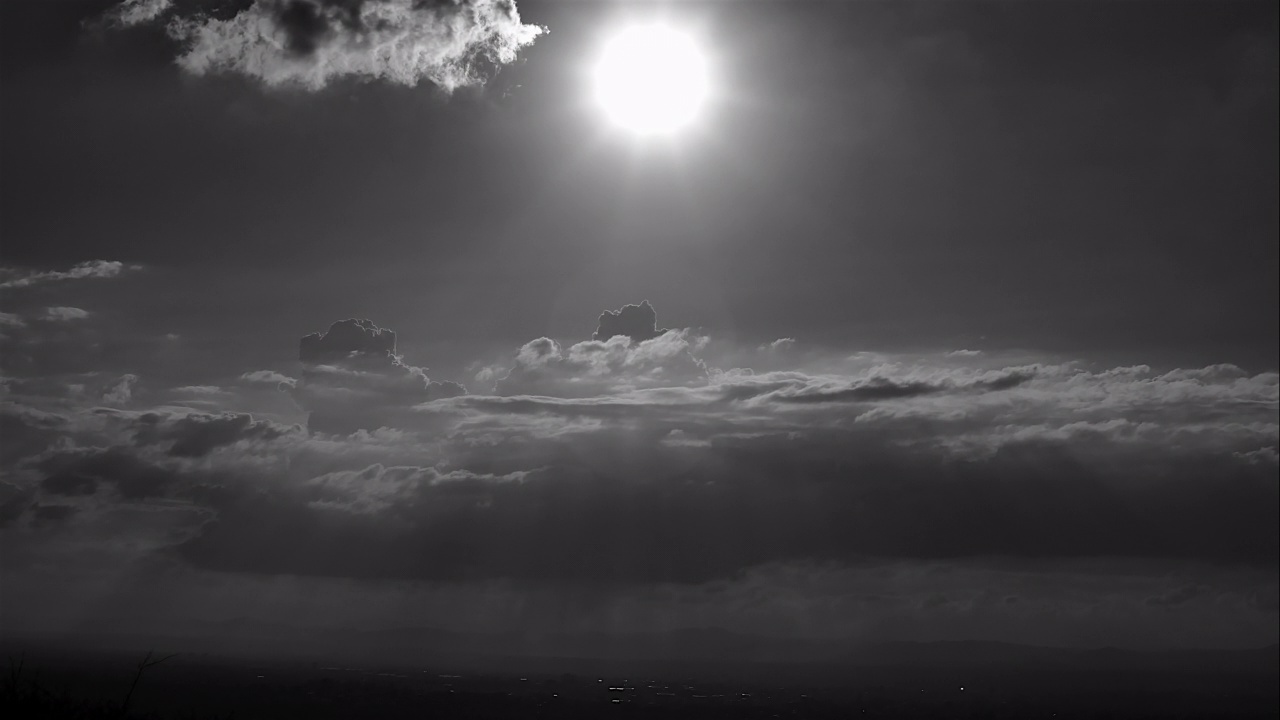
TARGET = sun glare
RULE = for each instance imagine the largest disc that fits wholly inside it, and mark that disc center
(651, 79)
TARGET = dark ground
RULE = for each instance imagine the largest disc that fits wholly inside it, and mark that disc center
(908, 681)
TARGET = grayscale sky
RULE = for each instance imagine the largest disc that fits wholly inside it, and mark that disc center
(943, 320)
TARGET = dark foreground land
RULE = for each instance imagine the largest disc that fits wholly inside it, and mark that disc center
(956, 681)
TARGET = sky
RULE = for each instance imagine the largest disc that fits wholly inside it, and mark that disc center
(942, 320)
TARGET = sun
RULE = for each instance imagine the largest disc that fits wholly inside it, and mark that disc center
(651, 79)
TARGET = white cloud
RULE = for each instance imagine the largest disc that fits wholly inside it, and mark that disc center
(121, 392)
(310, 43)
(64, 314)
(136, 12)
(543, 367)
(92, 269)
(269, 377)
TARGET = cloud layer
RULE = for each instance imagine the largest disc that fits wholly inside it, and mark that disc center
(633, 463)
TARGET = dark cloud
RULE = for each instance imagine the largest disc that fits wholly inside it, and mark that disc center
(53, 513)
(618, 499)
(1178, 596)
(14, 501)
(310, 43)
(70, 483)
(197, 434)
(638, 322)
(612, 466)
(25, 431)
(874, 389)
(881, 388)
(80, 471)
(740, 504)
(351, 342)
(352, 379)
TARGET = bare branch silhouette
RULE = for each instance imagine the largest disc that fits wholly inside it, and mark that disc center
(143, 665)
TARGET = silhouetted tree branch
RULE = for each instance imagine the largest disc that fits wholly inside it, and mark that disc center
(145, 663)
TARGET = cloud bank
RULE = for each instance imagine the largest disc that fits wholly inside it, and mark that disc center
(633, 467)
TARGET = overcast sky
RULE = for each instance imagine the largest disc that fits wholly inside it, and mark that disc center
(959, 320)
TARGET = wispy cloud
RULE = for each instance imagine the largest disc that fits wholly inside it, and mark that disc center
(64, 314)
(136, 12)
(16, 278)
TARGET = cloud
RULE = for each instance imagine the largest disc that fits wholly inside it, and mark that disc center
(627, 351)
(269, 377)
(884, 388)
(11, 320)
(779, 345)
(1177, 596)
(311, 43)
(637, 322)
(64, 314)
(136, 12)
(198, 434)
(543, 367)
(199, 390)
(16, 278)
(80, 471)
(352, 379)
(121, 392)
(26, 431)
(889, 490)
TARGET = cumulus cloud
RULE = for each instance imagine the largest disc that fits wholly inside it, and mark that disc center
(627, 352)
(543, 367)
(121, 391)
(311, 43)
(352, 379)
(11, 320)
(636, 322)
(16, 278)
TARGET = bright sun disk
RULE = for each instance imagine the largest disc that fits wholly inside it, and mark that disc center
(651, 79)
